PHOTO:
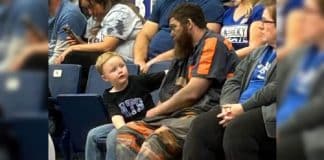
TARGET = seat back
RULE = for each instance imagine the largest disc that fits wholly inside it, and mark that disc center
(30, 134)
(96, 84)
(158, 67)
(82, 112)
(64, 78)
(22, 92)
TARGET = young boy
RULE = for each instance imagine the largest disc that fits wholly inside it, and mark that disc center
(127, 100)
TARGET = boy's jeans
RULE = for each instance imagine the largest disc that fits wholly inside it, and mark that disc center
(101, 134)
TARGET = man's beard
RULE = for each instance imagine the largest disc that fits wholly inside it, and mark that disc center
(183, 45)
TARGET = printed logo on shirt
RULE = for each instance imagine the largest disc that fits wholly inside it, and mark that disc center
(131, 107)
(262, 70)
(236, 33)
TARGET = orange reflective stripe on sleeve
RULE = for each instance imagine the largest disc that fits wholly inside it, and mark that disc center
(207, 56)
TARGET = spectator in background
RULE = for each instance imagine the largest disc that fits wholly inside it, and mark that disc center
(245, 126)
(240, 26)
(291, 20)
(113, 25)
(13, 30)
(300, 110)
(34, 55)
(155, 38)
(63, 13)
(40, 49)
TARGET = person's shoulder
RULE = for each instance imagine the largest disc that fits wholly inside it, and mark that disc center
(119, 11)
(70, 7)
(257, 52)
(258, 9)
(71, 11)
(120, 7)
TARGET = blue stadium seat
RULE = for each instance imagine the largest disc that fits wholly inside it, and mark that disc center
(64, 78)
(155, 68)
(81, 113)
(96, 84)
(133, 69)
(30, 133)
(23, 92)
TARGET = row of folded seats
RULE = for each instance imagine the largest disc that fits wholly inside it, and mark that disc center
(23, 117)
(84, 111)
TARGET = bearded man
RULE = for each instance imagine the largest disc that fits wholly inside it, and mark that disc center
(192, 86)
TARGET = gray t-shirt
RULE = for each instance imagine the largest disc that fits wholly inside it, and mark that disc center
(120, 22)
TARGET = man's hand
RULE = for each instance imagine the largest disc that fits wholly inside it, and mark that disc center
(152, 112)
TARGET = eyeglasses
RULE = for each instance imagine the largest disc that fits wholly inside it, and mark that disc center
(263, 20)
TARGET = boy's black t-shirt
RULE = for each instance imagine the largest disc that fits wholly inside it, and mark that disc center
(133, 102)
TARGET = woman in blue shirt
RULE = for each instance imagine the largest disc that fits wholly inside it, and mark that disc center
(240, 26)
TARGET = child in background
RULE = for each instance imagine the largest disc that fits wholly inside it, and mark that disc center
(127, 100)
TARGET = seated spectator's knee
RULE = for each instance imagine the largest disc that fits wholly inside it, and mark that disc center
(91, 135)
(233, 135)
(204, 121)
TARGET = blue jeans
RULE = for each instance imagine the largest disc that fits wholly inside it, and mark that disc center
(101, 134)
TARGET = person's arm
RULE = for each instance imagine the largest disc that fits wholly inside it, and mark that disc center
(40, 48)
(254, 40)
(214, 14)
(215, 27)
(185, 97)
(76, 22)
(114, 111)
(263, 97)
(109, 44)
(118, 121)
(152, 81)
(142, 41)
(166, 56)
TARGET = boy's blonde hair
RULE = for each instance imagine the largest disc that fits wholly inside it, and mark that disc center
(103, 58)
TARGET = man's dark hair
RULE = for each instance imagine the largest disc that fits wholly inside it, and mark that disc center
(186, 11)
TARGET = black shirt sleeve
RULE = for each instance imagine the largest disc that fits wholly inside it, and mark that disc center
(152, 81)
